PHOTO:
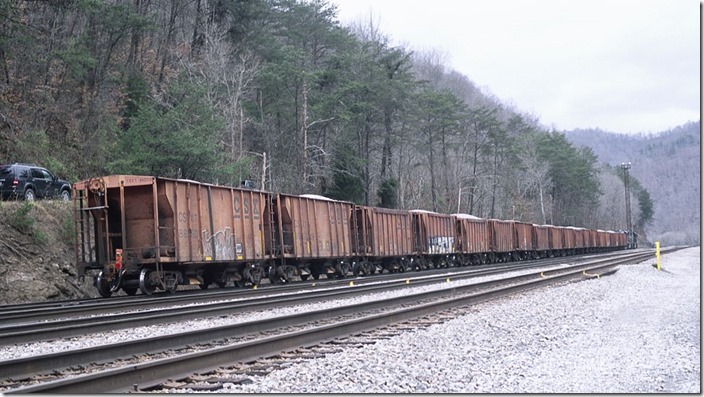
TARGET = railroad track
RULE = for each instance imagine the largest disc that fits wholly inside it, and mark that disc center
(283, 334)
(12, 315)
(35, 326)
(43, 311)
(241, 372)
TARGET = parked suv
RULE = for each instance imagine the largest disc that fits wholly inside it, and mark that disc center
(30, 182)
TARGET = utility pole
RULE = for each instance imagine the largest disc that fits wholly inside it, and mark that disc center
(629, 225)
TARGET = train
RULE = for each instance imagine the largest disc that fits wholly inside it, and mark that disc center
(148, 233)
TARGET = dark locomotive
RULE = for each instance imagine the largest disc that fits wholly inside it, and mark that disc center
(149, 233)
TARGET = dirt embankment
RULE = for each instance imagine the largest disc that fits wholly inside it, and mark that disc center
(37, 255)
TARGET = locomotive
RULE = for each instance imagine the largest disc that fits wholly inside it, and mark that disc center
(146, 233)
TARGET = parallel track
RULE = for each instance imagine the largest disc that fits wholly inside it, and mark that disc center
(46, 311)
(154, 372)
(95, 320)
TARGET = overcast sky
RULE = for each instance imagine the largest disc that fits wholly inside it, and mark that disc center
(621, 65)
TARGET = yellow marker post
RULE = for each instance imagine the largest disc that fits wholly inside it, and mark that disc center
(657, 254)
(408, 281)
(351, 283)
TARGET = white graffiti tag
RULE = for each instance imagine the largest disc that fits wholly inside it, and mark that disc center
(224, 242)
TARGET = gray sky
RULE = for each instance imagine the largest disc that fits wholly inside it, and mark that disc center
(624, 66)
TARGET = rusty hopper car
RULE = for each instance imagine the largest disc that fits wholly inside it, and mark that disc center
(313, 237)
(433, 239)
(593, 240)
(523, 235)
(501, 240)
(556, 243)
(622, 240)
(568, 239)
(581, 240)
(616, 239)
(603, 239)
(145, 233)
(383, 240)
(541, 240)
(472, 238)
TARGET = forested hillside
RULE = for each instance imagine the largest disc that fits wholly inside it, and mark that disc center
(277, 91)
(667, 165)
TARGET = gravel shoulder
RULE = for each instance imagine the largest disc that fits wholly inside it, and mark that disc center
(637, 331)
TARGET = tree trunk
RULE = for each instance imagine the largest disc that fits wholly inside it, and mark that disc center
(135, 40)
(167, 42)
(494, 183)
(198, 36)
(431, 153)
(305, 132)
(386, 150)
(446, 169)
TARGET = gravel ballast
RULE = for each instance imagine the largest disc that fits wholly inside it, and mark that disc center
(637, 331)
(84, 341)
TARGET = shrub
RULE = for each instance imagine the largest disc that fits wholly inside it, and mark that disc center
(21, 219)
(24, 222)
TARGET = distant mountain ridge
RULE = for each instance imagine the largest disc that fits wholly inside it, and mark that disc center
(668, 165)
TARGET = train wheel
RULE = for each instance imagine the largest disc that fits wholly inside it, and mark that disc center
(257, 275)
(145, 282)
(221, 284)
(275, 275)
(131, 291)
(344, 270)
(103, 286)
(304, 277)
(315, 273)
(206, 278)
(240, 283)
(357, 269)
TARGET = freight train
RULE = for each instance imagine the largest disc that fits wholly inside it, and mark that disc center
(146, 233)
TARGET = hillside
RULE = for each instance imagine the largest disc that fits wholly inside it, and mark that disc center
(36, 253)
(668, 165)
(276, 91)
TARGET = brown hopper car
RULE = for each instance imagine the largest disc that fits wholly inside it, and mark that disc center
(316, 235)
(472, 237)
(433, 238)
(144, 233)
(187, 230)
(383, 236)
(541, 239)
(523, 239)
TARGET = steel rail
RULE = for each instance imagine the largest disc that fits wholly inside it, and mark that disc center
(21, 368)
(28, 332)
(43, 311)
(145, 375)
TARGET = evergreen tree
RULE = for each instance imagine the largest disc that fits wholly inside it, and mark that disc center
(388, 193)
(175, 137)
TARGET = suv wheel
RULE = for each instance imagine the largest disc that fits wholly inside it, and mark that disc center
(29, 195)
(65, 195)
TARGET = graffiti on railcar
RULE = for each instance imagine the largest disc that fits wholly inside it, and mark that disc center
(441, 245)
(224, 242)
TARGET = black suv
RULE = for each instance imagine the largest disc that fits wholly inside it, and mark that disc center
(29, 182)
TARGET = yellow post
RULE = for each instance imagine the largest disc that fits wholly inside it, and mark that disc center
(657, 254)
